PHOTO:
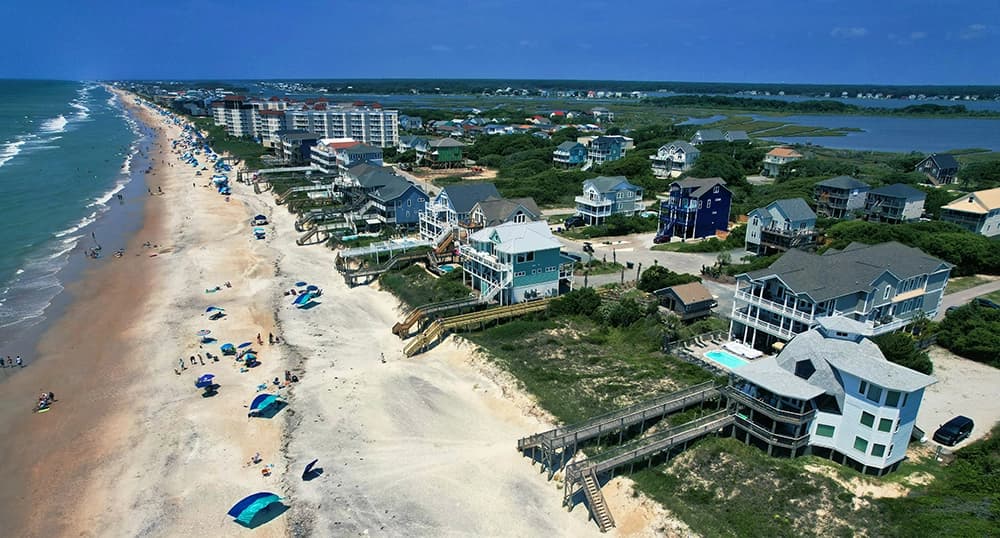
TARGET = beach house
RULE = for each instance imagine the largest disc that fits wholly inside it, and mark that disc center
(496, 211)
(689, 301)
(410, 123)
(408, 142)
(840, 196)
(569, 154)
(602, 114)
(323, 155)
(296, 146)
(940, 168)
(350, 155)
(708, 135)
(977, 212)
(894, 204)
(515, 262)
(452, 207)
(885, 286)
(779, 226)
(832, 393)
(694, 208)
(778, 157)
(605, 196)
(440, 153)
(673, 159)
(737, 136)
(398, 202)
(606, 149)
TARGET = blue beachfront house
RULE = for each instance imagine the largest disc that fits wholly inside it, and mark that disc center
(605, 196)
(399, 202)
(779, 226)
(452, 207)
(570, 154)
(516, 262)
(694, 208)
(606, 149)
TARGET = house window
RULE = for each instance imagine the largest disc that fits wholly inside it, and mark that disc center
(867, 419)
(715, 189)
(520, 258)
(888, 289)
(860, 445)
(878, 450)
(885, 424)
(529, 257)
(409, 203)
(863, 387)
(874, 393)
(905, 394)
(892, 398)
(824, 430)
(708, 204)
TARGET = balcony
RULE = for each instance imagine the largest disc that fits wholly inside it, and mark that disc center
(774, 439)
(592, 202)
(769, 328)
(777, 308)
(781, 415)
(488, 260)
(673, 204)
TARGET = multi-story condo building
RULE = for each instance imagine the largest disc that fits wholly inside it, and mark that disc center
(267, 125)
(371, 125)
(894, 204)
(452, 208)
(838, 197)
(778, 157)
(323, 155)
(606, 196)
(570, 154)
(885, 287)
(673, 159)
(832, 393)
(978, 212)
(235, 114)
(779, 226)
(516, 262)
(694, 208)
(940, 168)
(606, 149)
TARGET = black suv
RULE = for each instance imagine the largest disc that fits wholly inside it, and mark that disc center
(954, 431)
(574, 221)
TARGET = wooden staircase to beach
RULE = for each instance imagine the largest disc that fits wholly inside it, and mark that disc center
(439, 327)
(595, 499)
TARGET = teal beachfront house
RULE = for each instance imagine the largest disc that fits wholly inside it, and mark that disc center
(516, 262)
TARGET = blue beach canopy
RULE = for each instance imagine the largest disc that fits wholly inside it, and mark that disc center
(263, 401)
(214, 309)
(204, 381)
(245, 344)
(312, 288)
(247, 508)
(309, 467)
(300, 283)
(303, 299)
(227, 347)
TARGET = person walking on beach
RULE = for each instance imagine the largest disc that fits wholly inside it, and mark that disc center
(9, 364)
(270, 338)
(180, 362)
(18, 361)
(2, 363)
(192, 360)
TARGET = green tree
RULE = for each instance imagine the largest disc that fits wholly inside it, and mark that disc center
(579, 302)
(900, 348)
(658, 277)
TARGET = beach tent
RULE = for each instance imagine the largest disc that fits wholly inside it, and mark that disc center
(228, 349)
(302, 299)
(214, 309)
(307, 473)
(245, 510)
(204, 381)
(262, 402)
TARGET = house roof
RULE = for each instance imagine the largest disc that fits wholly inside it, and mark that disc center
(710, 135)
(699, 185)
(843, 182)
(900, 190)
(610, 184)
(498, 210)
(568, 145)
(519, 237)
(682, 145)
(445, 143)
(378, 178)
(364, 148)
(690, 293)
(601, 140)
(464, 196)
(944, 160)
(766, 372)
(359, 170)
(410, 140)
(784, 152)
(737, 135)
(851, 270)
(979, 202)
(394, 187)
(795, 209)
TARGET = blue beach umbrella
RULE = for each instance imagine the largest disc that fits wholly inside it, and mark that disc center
(204, 381)
(312, 288)
(245, 344)
(262, 402)
(215, 309)
(228, 348)
(300, 283)
(248, 507)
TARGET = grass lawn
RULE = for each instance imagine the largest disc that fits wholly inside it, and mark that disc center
(597, 267)
(415, 286)
(961, 283)
(558, 219)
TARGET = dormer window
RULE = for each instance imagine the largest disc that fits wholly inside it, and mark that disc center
(888, 290)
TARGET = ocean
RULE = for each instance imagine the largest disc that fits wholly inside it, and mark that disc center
(67, 149)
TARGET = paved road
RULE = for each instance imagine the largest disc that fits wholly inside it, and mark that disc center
(635, 249)
(961, 297)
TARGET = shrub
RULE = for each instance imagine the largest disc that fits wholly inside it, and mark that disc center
(902, 350)
(658, 277)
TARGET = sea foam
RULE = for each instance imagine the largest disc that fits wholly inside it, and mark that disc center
(55, 125)
(10, 150)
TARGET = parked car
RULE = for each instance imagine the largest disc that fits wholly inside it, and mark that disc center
(980, 301)
(954, 431)
(574, 221)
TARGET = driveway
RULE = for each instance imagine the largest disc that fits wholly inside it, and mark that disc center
(636, 249)
(960, 298)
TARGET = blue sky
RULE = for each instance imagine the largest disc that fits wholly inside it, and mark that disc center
(871, 41)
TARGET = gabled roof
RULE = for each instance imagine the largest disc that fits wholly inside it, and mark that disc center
(843, 182)
(445, 143)
(690, 293)
(377, 179)
(498, 210)
(363, 148)
(601, 140)
(361, 169)
(568, 145)
(411, 140)
(699, 185)
(848, 271)
(605, 184)
(518, 237)
(394, 187)
(979, 202)
(681, 145)
(943, 160)
(794, 209)
(710, 135)
(737, 135)
(784, 152)
(464, 196)
(899, 190)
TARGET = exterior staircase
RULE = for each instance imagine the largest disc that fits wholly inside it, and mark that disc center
(439, 327)
(595, 499)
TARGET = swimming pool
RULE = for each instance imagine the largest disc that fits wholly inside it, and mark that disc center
(725, 359)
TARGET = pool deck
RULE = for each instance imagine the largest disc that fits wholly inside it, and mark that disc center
(694, 351)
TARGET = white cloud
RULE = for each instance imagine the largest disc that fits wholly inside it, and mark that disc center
(440, 48)
(973, 31)
(849, 31)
